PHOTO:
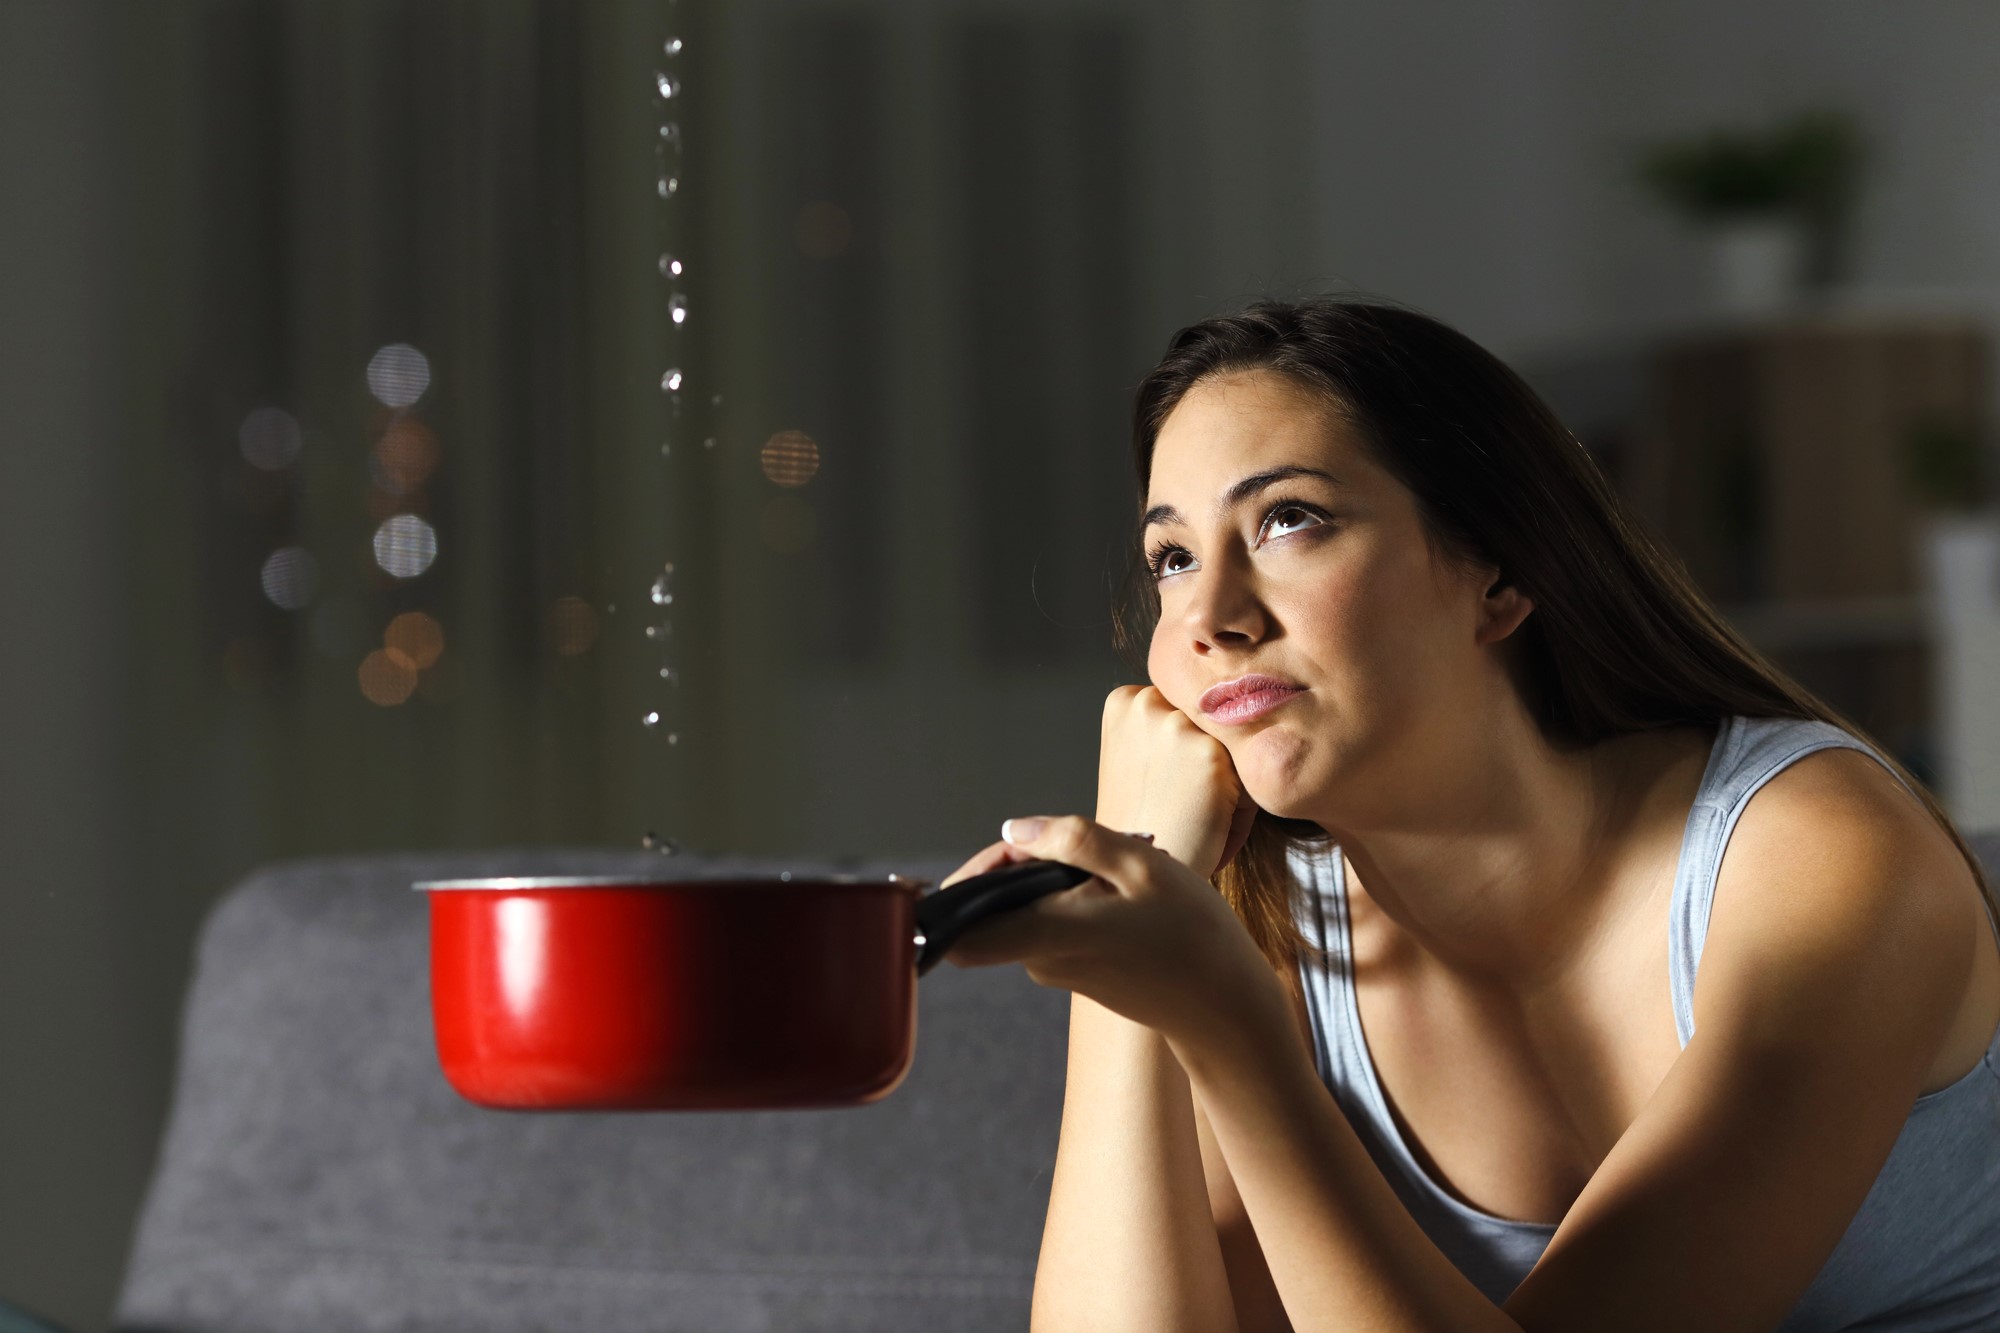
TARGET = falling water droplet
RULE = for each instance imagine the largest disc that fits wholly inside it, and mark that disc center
(669, 185)
(673, 46)
(651, 720)
(662, 595)
(716, 401)
(653, 842)
(671, 381)
(669, 267)
(669, 86)
(662, 630)
(611, 608)
(673, 738)
(671, 132)
(708, 443)
(666, 450)
(677, 308)
(667, 674)
(667, 568)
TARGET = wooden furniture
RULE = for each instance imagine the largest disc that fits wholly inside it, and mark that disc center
(1778, 462)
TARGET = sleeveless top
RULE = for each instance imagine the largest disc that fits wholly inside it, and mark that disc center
(1923, 1253)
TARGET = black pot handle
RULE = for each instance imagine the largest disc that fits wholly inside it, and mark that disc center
(945, 915)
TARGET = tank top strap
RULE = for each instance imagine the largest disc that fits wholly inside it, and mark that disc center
(1748, 752)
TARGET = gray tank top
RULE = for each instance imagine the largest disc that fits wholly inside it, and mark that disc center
(1922, 1255)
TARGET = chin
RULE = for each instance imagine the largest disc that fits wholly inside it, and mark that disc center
(1273, 777)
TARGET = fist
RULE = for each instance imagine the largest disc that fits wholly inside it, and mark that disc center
(1158, 773)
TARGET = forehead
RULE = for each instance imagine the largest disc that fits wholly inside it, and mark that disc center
(1232, 425)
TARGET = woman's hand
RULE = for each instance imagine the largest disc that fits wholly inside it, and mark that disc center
(1158, 773)
(1147, 938)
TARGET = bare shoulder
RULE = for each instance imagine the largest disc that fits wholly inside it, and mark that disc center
(1835, 868)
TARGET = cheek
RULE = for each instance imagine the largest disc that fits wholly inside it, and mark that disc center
(1170, 669)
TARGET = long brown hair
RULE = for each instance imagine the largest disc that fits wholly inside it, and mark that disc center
(1620, 639)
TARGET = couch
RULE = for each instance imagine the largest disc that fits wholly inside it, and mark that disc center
(317, 1175)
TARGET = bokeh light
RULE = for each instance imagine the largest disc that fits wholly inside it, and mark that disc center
(788, 524)
(290, 577)
(670, 382)
(669, 86)
(270, 439)
(405, 454)
(572, 626)
(398, 375)
(822, 230)
(415, 638)
(671, 267)
(790, 458)
(405, 545)
(385, 679)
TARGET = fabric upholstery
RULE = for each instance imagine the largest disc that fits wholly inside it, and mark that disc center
(318, 1173)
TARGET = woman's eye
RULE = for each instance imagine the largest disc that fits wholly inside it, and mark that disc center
(1170, 560)
(1289, 518)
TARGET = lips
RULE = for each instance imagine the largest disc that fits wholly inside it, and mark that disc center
(1247, 697)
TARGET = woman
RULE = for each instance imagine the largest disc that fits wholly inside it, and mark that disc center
(1463, 751)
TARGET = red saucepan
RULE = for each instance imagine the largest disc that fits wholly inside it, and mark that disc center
(624, 994)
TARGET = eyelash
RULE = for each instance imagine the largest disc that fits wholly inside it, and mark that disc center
(1156, 556)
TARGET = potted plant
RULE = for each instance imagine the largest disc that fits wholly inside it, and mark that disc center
(1773, 203)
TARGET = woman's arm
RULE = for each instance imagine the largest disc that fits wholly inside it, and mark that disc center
(1141, 1234)
(1130, 1242)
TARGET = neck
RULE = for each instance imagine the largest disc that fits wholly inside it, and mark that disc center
(1495, 852)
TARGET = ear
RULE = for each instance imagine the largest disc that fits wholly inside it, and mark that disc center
(1502, 608)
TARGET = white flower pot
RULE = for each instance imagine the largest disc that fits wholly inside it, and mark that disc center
(1962, 565)
(1757, 265)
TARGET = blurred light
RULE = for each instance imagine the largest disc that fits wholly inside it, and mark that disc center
(406, 454)
(670, 267)
(416, 638)
(405, 546)
(677, 307)
(572, 626)
(822, 230)
(290, 578)
(398, 375)
(270, 439)
(790, 458)
(673, 46)
(669, 86)
(669, 186)
(671, 382)
(386, 681)
(788, 524)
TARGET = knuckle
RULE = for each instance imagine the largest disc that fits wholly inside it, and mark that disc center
(1070, 831)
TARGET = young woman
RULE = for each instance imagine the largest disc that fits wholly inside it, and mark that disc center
(1571, 969)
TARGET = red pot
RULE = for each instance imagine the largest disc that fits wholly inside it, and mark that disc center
(603, 994)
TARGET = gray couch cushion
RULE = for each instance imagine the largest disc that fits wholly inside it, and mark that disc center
(318, 1174)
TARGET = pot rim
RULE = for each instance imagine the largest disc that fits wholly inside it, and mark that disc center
(780, 880)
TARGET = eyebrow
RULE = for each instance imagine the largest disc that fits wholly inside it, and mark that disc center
(1238, 493)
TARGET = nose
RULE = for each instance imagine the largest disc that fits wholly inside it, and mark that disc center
(1223, 612)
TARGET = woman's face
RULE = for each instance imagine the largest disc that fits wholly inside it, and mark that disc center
(1295, 573)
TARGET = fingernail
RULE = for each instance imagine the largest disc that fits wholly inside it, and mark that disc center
(1142, 837)
(1018, 831)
